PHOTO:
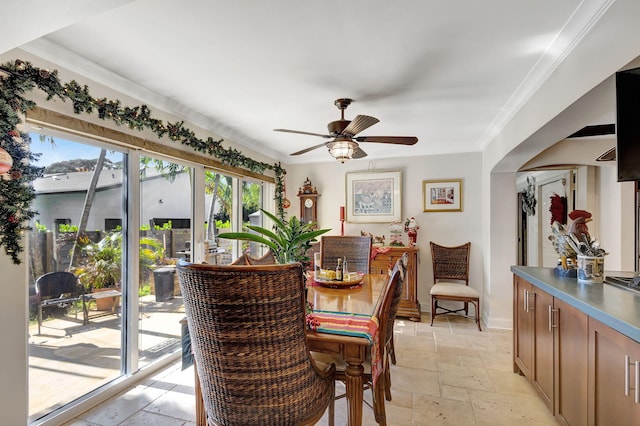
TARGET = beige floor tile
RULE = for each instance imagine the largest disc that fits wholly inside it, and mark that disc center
(417, 359)
(465, 377)
(455, 393)
(144, 418)
(506, 410)
(443, 412)
(400, 398)
(452, 354)
(398, 416)
(497, 361)
(420, 343)
(448, 374)
(404, 327)
(475, 340)
(506, 382)
(415, 381)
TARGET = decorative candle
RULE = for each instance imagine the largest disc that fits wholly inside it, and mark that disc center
(341, 212)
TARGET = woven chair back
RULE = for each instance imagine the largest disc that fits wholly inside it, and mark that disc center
(383, 310)
(55, 284)
(356, 249)
(401, 267)
(247, 325)
(450, 263)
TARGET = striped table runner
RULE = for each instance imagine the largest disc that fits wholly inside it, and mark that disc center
(356, 325)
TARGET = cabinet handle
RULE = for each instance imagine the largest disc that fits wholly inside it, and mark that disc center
(551, 325)
(627, 362)
(637, 396)
(526, 300)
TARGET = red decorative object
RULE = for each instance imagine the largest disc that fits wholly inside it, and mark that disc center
(411, 227)
(6, 162)
(558, 209)
(341, 220)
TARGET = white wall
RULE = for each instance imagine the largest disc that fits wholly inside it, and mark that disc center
(14, 332)
(446, 228)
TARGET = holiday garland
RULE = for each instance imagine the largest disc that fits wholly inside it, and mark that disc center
(17, 192)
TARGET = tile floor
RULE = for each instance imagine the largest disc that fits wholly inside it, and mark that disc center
(448, 374)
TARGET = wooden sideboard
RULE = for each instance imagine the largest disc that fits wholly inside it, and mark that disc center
(383, 262)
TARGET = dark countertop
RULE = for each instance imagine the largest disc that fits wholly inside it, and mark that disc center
(615, 307)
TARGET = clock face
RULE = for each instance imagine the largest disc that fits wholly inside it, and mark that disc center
(308, 203)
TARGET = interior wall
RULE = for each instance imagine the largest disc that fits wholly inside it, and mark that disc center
(13, 351)
(446, 228)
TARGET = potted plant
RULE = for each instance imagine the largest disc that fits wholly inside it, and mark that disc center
(101, 265)
(289, 240)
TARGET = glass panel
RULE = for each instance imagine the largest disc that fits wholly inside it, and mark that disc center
(69, 357)
(219, 205)
(165, 236)
(251, 205)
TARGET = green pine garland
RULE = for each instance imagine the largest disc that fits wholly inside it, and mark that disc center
(17, 193)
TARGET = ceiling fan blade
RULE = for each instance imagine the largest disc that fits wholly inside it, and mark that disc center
(358, 124)
(358, 153)
(302, 133)
(400, 140)
(304, 151)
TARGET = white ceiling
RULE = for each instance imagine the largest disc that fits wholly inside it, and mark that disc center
(451, 72)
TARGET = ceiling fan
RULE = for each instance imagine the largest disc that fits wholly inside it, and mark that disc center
(344, 143)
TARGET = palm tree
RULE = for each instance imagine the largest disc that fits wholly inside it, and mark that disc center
(88, 202)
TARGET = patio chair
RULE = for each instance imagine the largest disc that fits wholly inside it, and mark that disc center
(58, 289)
(248, 334)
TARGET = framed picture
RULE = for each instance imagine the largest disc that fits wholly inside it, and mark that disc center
(373, 197)
(442, 195)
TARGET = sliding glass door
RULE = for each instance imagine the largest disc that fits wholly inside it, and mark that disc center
(117, 222)
(78, 230)
(165, 237)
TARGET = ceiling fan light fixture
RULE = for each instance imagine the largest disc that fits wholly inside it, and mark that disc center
(342, 149)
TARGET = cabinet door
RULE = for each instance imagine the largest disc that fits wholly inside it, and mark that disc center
(384, 262)
(523, 328)
(612, 383)
(571, 346)
(542, 377)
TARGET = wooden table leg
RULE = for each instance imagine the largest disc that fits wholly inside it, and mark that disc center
(201, 414)
(354, 374)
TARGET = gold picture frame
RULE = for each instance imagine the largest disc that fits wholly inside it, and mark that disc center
(443, 195)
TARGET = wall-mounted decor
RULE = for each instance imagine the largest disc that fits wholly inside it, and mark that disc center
(442, 195)
(373, 196)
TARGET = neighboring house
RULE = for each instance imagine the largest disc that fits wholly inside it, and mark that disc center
(60, 197)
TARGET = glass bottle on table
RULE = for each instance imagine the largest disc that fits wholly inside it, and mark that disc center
(339, 270)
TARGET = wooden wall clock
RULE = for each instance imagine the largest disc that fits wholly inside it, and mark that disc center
(308, 202)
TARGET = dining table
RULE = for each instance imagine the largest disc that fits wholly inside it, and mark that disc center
(358, 301)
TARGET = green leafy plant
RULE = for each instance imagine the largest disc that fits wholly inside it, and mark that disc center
(101, 265)
(65, 228)
(289, 240)
(40, 227)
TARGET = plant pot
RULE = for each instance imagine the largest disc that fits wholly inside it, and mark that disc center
(106, 303)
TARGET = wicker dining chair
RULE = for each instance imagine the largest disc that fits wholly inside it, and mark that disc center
(247, 327)
(383, 312)
(390, 356)
(451, 280)
(356, 249)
